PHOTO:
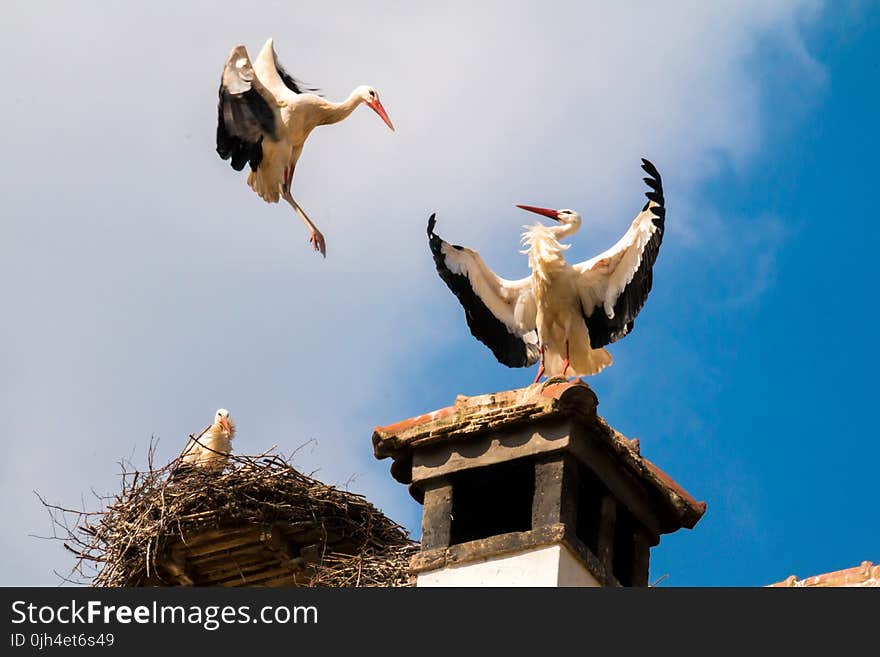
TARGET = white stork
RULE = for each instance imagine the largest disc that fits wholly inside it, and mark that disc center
(562, 315)
(265, 117)
(211, 448)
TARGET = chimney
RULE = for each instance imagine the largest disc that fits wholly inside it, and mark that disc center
(530, 487)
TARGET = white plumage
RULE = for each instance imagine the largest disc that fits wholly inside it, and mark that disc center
(560, 315)
(264, 118)
(212, 447)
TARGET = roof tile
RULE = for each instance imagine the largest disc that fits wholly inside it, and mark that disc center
(865, 575)
(470, 416)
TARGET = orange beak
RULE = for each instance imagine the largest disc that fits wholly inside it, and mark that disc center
(376, 106)
(547, 212)
(225, 424)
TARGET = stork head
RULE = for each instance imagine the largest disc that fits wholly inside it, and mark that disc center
(225, 420)
(370, 97)
(568, 217)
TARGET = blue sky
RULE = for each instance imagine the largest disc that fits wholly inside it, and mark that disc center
(144, 285)
(780, 426)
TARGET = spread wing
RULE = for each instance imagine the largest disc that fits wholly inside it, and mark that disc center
(275, 77)
(500, 313)
(244, 113)
(296, 86)
(615, 284)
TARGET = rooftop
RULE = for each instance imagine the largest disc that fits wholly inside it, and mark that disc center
(470, 417)
(866, 574)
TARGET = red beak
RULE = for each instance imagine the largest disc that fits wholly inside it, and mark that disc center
(225, 424)
(376, 106)
(547, 212)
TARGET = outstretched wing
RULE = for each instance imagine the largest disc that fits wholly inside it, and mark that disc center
(500, 313)
(244, 115)
(296, 86)
(615, 284)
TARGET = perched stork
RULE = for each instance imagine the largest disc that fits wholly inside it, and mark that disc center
(265, 117)
(211, 448)
(562, 315)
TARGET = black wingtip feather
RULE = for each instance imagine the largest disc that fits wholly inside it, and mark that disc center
(434, 240)
(295, 85)
(653, 183)
(650, 169)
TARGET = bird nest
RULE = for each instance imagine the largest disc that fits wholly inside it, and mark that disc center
(256, 522)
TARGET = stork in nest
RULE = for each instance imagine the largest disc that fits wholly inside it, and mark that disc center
(211, 448)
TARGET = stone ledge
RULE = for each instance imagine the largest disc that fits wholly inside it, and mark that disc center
(505, 544)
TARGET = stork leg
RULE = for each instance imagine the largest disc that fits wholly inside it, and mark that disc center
(316, 239)
(540, 368)
(565, 363)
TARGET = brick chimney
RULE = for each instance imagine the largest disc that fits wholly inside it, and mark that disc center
(530, 487)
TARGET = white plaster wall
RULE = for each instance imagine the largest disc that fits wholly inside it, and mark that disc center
(572, 572)
(547, 566)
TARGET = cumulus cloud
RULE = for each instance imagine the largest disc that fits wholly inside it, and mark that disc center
(147, 285)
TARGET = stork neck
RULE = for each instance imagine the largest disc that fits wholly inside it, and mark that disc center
(336, 112)
(545, 253)
(565, 230)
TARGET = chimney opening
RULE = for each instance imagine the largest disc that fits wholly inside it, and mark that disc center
(591, 492)
(492, 500)
(623, 564)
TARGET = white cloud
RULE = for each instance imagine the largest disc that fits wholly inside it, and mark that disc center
(150, 286)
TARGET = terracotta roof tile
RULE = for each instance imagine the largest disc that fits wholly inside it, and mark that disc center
(470, 416)
(867, 574)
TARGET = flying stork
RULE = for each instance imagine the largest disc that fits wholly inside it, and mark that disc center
(561, 315)
(211, 448)
(264, 118)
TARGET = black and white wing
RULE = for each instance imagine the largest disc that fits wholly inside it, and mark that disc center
(615, 284)
(296, 86)
(500, 313)
(244, 113)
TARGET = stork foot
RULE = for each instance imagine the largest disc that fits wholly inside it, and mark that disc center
(539, 374)
(316, 239)
(541, 368)
(565, 363)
